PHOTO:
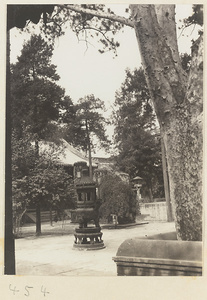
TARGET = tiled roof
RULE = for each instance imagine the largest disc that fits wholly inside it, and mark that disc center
(67, 154)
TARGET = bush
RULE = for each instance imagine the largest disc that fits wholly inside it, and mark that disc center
(118, 198)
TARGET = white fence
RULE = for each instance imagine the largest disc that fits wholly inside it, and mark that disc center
(156, 211)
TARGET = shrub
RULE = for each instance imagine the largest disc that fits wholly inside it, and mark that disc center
(118, 198)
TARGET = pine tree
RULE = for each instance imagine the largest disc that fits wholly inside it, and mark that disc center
(36, 97)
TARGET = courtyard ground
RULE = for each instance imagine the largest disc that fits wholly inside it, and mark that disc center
(52, 253)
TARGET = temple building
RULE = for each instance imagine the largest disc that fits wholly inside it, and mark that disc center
(66, 155)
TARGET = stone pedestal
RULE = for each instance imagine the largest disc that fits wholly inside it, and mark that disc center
(89, 238)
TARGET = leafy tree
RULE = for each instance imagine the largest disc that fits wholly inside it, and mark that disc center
(87, 129)
(36, 97)
(136, 132)
(38, 181)
(136, 136)
(21, 166)
(49, 186)
(71, 127)
(117, 197)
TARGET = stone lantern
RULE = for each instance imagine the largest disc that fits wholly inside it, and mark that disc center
(87, 211)
(138, 182)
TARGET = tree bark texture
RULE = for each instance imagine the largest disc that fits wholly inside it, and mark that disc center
(178, 105)
(166, 183)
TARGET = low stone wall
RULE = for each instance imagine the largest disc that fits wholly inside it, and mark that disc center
(156, 211)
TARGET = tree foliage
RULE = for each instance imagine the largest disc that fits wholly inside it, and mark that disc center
(136, 136)
(21, 166)
(36, 97)
(55, 19)
(36, 104)
(86, 125)
(49, 183)
(38, 180)
(196, 17)
(118, 198)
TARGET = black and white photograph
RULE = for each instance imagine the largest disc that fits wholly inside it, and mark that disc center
(103, 160)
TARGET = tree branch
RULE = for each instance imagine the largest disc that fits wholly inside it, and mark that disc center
(95, 13)
(99, 31)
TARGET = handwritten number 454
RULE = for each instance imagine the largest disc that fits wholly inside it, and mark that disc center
(27, 290)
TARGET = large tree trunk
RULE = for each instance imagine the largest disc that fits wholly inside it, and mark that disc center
(178, 106)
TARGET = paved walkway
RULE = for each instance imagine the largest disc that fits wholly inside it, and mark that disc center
(53, 254)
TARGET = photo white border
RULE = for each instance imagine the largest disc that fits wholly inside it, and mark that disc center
(93, 288)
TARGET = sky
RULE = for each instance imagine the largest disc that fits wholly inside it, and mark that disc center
(85, 71)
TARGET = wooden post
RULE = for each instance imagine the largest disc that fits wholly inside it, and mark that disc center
(89, 152)
(51, 216)
(9, 255)
(38, 218)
